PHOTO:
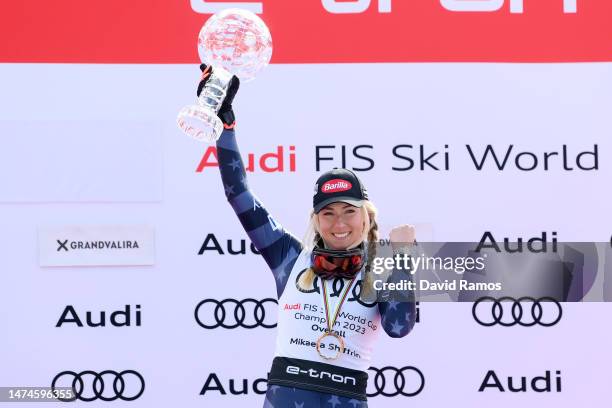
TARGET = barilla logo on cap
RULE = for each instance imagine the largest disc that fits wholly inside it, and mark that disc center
(335, 186)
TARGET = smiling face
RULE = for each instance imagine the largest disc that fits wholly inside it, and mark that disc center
(341, 225)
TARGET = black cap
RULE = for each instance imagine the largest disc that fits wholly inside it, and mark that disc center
(338, 185)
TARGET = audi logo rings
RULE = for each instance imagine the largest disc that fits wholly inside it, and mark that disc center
(490, 316)
(127, 385)
(416, 381)
(220, 317)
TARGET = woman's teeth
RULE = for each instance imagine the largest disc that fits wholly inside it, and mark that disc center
(343, 235)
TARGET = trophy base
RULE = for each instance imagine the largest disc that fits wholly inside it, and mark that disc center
(200, 123)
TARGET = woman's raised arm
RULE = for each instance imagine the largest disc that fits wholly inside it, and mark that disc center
(278, 247)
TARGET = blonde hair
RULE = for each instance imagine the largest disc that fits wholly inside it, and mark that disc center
(370, 235)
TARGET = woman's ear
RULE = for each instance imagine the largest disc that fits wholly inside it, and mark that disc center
(366, 223)
(315, 222)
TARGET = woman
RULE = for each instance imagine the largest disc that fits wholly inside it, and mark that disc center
(326, 329)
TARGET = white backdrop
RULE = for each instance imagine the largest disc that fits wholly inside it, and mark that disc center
(81, 146)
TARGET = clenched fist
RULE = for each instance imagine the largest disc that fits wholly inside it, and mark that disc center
(402, 236)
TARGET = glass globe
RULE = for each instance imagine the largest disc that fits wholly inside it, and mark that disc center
(237, 40)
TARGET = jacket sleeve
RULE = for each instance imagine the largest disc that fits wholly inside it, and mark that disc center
(397, 318)
(278, 247)
(398, 315)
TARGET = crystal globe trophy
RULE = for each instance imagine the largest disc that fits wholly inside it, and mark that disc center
(234, 42)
